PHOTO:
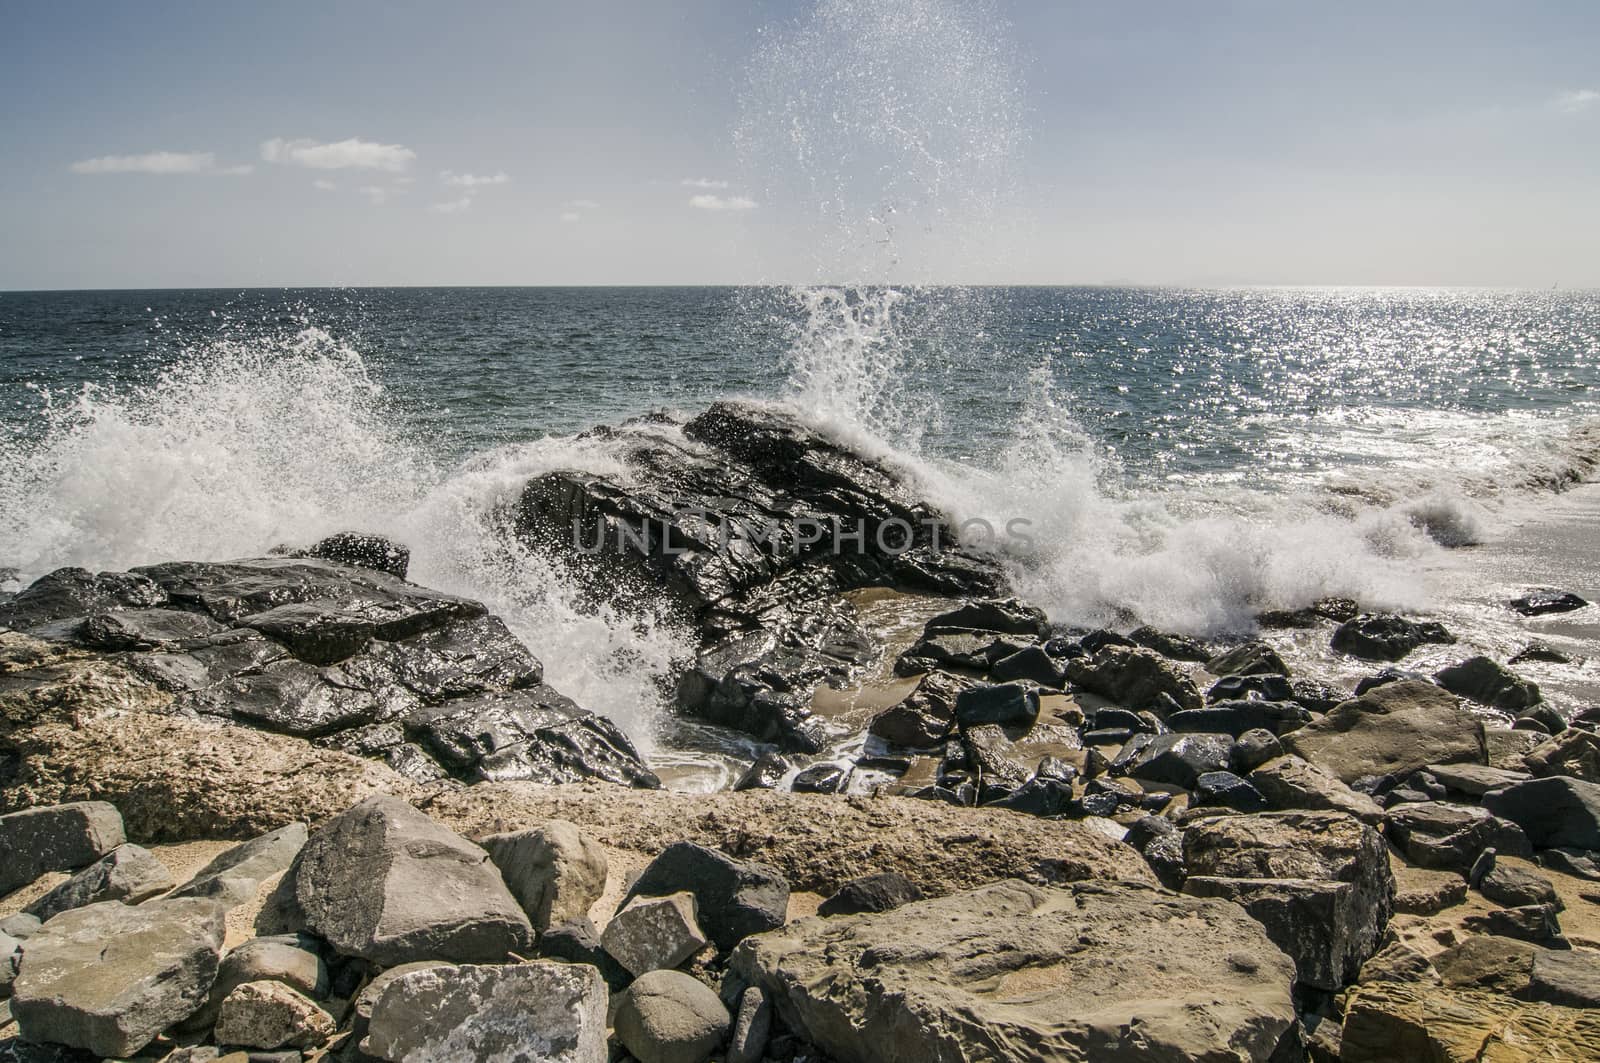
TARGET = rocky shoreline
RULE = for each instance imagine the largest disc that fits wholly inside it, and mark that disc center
(1052, 844)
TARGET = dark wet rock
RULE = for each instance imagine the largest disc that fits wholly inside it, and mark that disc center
(1488, 683)
(1540, 717)
(1268, 687)
(1473, 780)
(55, 838)
(1177, 647)
(1037, 797)
(1546, 600)
(1448, 837)
(766, 773)
(384, 882)
(362, 550)
(1541, 652)
(234, 876)
(534, 734)
(1252, 749)
(1315, 695)
(1136, 679)
(1385, 637)
(1395, 729)
(1227, 790)
(1237, 717)
(1179, 759)
(1558, 812)
(1535, 923)
(967, 651)
(734, 898)
(669, 1017)
(147, 629)
(821, 779)
(1319, 882)
(1007, 704)
(1164, 854)
(1112, 718)
(1390, 675)
(1007, 616)
(871, 893)
(578, 941)
(75, 593)
(989, 752)
(1100, 638)
(1575, 752)
(109, 977)
(129, 873)
(1032, 664)
(1252, 658)
(1336, 609)
(1098, 960)
(926, 715)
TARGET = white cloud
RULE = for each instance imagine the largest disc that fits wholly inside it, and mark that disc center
(467, 180)
(352, 154)
(159, 162)
(324, 185)
(571, 217)
(702, 182)
(1573, 102)
(709, 202)
(454, 206)
(581, 204)
(375, 194)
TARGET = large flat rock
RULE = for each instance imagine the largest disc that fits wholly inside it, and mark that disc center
(1104, 972)
(1393, 729)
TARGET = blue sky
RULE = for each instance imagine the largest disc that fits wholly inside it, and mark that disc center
(178, 144)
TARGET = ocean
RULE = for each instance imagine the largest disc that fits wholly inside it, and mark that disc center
(1185, 458)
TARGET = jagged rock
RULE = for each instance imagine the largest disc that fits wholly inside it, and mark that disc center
(579, 942)
(1512, 887)
(128, 873)
(1267, 686)
(733, 898)
(363, 550)
(1177, 647)
(361, 1007)
(1007, 616)
(1179, 759)
(1012, 972)
(1488, 683)
(1540, 717)
(1399, 962)
(270, 1015)
(988, 751)
(765, 774)
(965, 651)
(384, 882)
(1393, 730)
(1448, 837)
(234, 876)
(147, 629)
(668, 1017)
(821, 779)
(871, 893)
(1290, 782)
(519, 1013)
(1385, 637)
(1391, 675)
(1252, 658)
(1534, 922)
(1032, 664)
(1422, 892)
(1388, 1021)
(288, 958)
(1135, 678)
(1316, 696)
(72, 593)
(553, 871)
(1474, 780)
(926, 715)
(651, 933)
(58, 838)
(752, 1027)
(1226, 790)
(1558, 812)
(1318, 881)
(1037, 797)
(1540, 651)
(1007, 704)
(1254, 748)
(109, 977)
(1574, 752)
(1100, 638)
(1237, 717)
(1547, 600)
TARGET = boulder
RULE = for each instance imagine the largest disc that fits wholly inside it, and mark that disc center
(668, 1017)
(108, 977)
(128, 873)
(58, 838)
(1566, 977)
(1537, 923)
(363, 550)
(1546, 600)
(1178, 759)
(1554, 813)
(1385, 637)
(1512, 887)
(1319, 882)
(579, 942)
(1495, 964)
(1488, 683)
(1392, 730)
(1032, 664)
(1421, 892)
(1225, 789)
(1388, 1021)
(1315, 695)
(1398, 962)
(1177, 647)
(386, 883)
(1267, 686)
(1507, 746)
(652, 933)
(291, 959)
(1254, 748)
(553, 871)
(1252, 658)
(1447, 837)
(766, 773)
(733, 898)
(871, 893)
(1006, 704)
(1135, 678)
(270, 1015)
(926, 715)
(519, 1013)
(10, 958)
(1574, 752)
(1008, 616)
(1010, 971)
(235, 876)
(1541, 651)
(1289, 782)
(20, 926)
(821, 779)
(1474, 780)
(752, 1026)
(1237, 717)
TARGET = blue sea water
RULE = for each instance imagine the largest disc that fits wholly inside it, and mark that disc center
(1185, 457)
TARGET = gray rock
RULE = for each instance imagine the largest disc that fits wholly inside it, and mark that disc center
(1568, 978)
(1512, 887)
(1291, 783)
(1507, 747)
(752, 1028)
(733, 898)
(271, 1015)
(10, 957)
(539, 1012)
(554, 871)
(653, 933)
(20, 926)
(1555, 813)
(55, 838)
(871, 893)
(109, 977)
(1179, 759)
(290, 959)
(128, 873)
(384, 882)
(1136, 679)
(361, 1007)
(1391, 730)
(1252, 658)
(668, 1017)
(1488, 683)
(1574, 752)
(1319, 882)
(234, 876)
(1007, 704)
(1252, 749)
(1474, 780)
(1447, 837)
(1237, 717)
(1385, 637)
(1012, 972)
(1031, 663)
(579, 942)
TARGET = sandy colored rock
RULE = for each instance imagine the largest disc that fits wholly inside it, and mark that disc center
(1392, 729)
(129, 873)
(1390, 1021)
(1291, 782)
(552, 870)
(1100, 971)
(651, 933)
(270, 1015)
(668, 1017)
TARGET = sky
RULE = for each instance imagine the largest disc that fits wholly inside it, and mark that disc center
(750, 141)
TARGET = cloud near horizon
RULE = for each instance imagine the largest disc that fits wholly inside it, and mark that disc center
(702, 182)
(159, 162)
(467, 180)
(710, 202)
(351, 154)
(1578, 100)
